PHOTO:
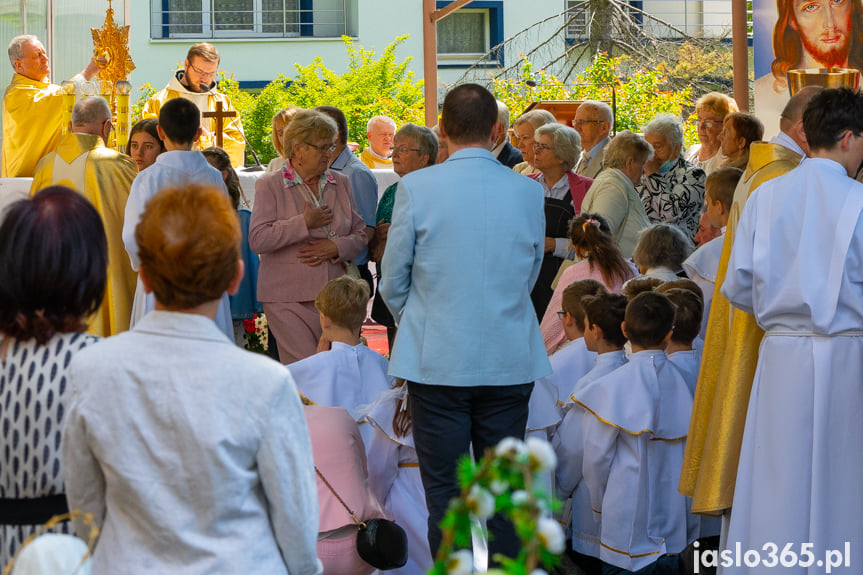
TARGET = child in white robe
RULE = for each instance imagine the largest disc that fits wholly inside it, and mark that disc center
(568, 364)
(684, 352)
(703, 264)
(179, 127)
(681, 351)
(394, 474)
(634, 432)
(660, 252)
(603, 317)
(344, 372)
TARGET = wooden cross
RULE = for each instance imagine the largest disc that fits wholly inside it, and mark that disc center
(219, 115)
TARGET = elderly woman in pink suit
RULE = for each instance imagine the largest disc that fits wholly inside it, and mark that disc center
(340, 457)
(306, 228)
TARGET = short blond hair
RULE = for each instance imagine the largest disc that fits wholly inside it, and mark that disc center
(627, 145)
(307, 125)
(716, 102)
(344, 300)
(280, 121)
(204, 50)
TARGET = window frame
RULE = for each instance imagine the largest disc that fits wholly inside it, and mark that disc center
(494, 36)
(160, 9)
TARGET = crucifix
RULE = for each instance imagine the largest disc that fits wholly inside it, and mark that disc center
(219, 115)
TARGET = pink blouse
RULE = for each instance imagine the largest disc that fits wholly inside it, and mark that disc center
(551, 327)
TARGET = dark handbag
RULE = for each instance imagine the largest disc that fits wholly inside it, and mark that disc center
(380, 542)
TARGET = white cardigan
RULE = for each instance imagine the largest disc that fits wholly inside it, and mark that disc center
(192, 454)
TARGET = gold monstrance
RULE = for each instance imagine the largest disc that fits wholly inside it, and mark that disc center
(111, 51)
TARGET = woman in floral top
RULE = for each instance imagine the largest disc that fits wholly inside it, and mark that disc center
(672, 189)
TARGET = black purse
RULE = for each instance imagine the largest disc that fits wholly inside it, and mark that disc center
(380, 542)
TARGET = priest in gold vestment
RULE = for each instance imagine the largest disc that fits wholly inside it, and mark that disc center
(32, 108)
(380, 131)
(733, 337)
(196, 83)
(104, 177)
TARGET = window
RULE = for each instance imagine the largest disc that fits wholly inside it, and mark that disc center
(468, 34)
(201, 19)
(576, 19)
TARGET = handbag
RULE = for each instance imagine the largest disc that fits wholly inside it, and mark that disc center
(86, 519)
(380, 542)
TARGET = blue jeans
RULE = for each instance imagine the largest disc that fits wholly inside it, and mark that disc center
(447, 420)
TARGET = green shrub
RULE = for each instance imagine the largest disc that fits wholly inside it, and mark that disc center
(640, 96)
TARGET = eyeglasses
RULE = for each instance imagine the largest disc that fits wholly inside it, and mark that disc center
(561, 314)
(403, 149)
(202, 73)
(707, 123)
(853, 133)
(323, 148)
(538, 147)
(583, 122)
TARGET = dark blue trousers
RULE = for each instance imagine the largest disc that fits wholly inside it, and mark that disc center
(446, 421)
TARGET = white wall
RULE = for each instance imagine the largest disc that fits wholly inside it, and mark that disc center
(379, 23)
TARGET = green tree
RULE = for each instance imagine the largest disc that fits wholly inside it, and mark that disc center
(371, 86)
(639, 95)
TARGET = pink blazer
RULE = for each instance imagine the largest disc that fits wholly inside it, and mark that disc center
(338, 451)
(278, 231)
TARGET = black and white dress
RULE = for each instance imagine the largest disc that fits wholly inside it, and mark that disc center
(33, 400)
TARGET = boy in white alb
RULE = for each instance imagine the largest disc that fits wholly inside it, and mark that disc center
(568, 364)
(179, 128)
(604, 315)
(634, 434)
(688, 308)
(703, 264)
(344, 372)
(683, 352)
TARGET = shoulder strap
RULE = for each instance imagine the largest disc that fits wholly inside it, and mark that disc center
(359, 523)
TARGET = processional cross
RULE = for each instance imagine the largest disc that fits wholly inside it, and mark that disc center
(219, 115)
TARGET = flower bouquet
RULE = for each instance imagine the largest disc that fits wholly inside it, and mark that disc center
(504, 481)
(256, 336)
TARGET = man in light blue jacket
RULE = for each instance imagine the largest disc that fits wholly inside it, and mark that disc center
(463, 253)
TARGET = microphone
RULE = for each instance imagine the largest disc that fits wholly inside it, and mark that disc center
(203, 87)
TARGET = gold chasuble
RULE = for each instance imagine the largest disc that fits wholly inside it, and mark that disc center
(374, 161)
(104, 177)
(32, 122)
(728, 363)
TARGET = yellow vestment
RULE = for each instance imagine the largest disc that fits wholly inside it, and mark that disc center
(32, 122)
(104, 177)
(373, 161)
(728, 363)
(232, 131)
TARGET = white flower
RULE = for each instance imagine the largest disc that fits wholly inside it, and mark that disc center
(538, 572)
(498, 486)
(541, 454)
(480, 502)
(510, 447)
(460, 563)
(550, 535)
(520, 498)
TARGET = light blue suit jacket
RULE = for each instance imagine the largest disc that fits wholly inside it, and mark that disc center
(463, 254)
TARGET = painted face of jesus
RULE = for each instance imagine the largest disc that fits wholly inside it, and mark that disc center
(825, 28)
